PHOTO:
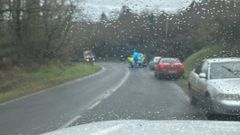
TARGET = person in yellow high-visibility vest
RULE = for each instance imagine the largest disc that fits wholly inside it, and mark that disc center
(143, 58)
(131, 60)
(144, 62)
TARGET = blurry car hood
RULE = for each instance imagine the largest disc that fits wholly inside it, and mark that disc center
(135, 127)
(228, 86)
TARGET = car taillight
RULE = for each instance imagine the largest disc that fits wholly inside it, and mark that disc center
(181, 66)
(162, 65)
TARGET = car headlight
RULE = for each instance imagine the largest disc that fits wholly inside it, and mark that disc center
(228, 97)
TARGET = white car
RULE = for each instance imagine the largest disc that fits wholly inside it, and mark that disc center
(215, 83)
(88, 56)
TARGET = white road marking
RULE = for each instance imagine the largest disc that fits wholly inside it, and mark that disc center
(23, 97)
(186, 97)
(94, 105)
(112, 90)
(83, 78)
(106, 95)
(100, 98)
(70, 122)
(54, 87)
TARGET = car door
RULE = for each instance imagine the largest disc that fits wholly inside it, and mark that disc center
(194, 77)
(201, 83)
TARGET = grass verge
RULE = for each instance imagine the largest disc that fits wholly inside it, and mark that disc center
(21, 82)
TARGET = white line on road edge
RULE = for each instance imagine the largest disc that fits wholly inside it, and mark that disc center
(100, 98)
(112, 90)
(70, 122)
(186, 97)
(54, 87)
(109, 92)
(83, 78)
(106, 95)
(94, 105)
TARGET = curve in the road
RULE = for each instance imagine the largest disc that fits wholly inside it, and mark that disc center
(144, 97)
(55, 87)
(99, 99)
(49, 110)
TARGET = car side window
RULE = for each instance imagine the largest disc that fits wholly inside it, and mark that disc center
(204, 68)
(198, 69)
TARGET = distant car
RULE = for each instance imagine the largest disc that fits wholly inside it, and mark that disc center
(153, 62)
(169, 67)
(89, 56)
(215, 83)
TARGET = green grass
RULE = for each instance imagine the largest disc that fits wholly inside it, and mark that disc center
(23, 82)
(208, 52)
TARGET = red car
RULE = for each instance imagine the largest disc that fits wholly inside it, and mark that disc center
(169, 67)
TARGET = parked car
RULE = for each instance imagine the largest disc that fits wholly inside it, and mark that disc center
(169, 67)
(88, 56)
(215, 83)
(153, 62)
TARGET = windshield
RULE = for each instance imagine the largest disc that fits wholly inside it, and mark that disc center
(88, 53)
(67, 63)
(225, 70)
(156, 59)
(170, 60)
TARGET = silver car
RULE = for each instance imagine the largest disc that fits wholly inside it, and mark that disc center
(153, 62)
(216, 84)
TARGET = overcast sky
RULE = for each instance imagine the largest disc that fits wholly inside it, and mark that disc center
(93, 8)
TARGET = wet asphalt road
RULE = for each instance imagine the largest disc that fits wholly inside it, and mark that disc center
(115, 93)
(146, 98)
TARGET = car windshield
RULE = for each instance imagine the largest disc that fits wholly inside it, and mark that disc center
(156, 59)
(87, 53)
(225, 70)
(170, 60)
(67, 63)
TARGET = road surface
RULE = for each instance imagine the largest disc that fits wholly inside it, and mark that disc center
(114, 93)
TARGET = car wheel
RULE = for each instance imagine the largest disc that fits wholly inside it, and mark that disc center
(193, 100)
(159, 76)
(208, 106)
(177, 77)
(155, 74)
